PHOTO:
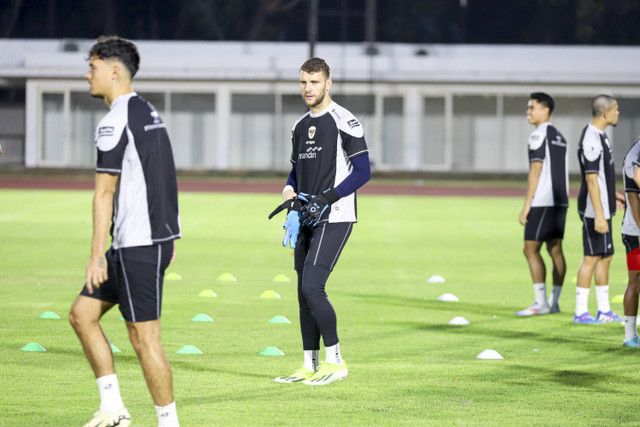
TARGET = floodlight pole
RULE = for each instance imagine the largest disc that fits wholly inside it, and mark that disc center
(312, 25)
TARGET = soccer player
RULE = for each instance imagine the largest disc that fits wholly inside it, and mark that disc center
(596, 205)
(545, 204)
(330, 161)
(630, 238)
(136, 196)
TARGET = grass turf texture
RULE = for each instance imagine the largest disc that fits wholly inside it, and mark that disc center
(407, 366)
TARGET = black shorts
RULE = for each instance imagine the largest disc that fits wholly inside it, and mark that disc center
(545, 223)
(321, 246)
(135, 280)
(594, 243)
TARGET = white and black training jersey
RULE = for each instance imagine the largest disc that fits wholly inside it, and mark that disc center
(548, 146)
(323, 146)
(132, 142)
(631, 161)
(595, 155)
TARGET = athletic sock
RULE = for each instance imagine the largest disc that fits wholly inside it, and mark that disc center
(167, 415)
(582, 300)
(540, 291)
(311, 359)
(110, 399)
(332, 354)
(630, 329)
(555, 295)
(602, 296)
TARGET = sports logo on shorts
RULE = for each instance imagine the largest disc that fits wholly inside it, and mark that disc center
(312, 132)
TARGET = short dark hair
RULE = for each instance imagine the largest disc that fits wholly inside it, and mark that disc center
(114, 47)
(601, 103)
(544, 99)
(315, 65)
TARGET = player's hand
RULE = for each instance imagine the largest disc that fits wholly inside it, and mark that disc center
(313, 210)
(291, 229)
(621, 202)
(291, 205)
(96, 272)
(524, 214)
(601, 225)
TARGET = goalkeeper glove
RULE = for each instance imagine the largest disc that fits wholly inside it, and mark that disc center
(291, 205)
(291, 229)
(317, 205)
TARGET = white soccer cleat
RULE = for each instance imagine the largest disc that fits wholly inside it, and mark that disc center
(534, 310)
(328, 373)
(300, 375)
(119, 418)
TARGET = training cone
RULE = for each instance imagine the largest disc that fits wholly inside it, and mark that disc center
(227, 277)
(172, 276)
(436, 279)
(279, 319)
(269, 294)
(458, 321)
(121, 318)
(189, 349)
(49, 315)
(115, 349)
(448, 298)
(618, 298)
(201, 318)
(574, 280)
(33, 346)
(271, 351)
(281, 278)
(207, 293)
(489, 354)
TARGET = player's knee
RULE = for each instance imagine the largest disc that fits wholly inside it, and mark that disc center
(529, 251)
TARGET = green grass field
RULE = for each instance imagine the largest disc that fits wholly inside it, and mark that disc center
(407, 366)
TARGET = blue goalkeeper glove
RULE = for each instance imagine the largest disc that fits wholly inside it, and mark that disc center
(291, 229)
(316, 206)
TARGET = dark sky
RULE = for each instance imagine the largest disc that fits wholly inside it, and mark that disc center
(596, 22)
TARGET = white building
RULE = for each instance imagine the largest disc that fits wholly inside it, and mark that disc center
(231, 105)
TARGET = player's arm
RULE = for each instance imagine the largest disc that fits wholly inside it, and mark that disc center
(535, 169)
(102, 214)
(600, 224)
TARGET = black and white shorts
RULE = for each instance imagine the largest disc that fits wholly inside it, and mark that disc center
(594, 243)
(545, 223)
(135, 280)
(321, 246)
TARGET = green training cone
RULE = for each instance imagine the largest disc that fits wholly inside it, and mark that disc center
(115, 349)
(269, 294)
(49, 315)
(279, 319)
(618, 298)
(201, 318)
(121, 318)
(271, 351)
(189, 349)
(172, 276)
(227, 277)
(33, 346)
(207, 293)
(281, 278)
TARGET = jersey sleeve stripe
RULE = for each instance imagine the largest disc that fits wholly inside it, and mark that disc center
(358, 153)
(105, 170)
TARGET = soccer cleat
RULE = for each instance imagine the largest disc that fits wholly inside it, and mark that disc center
(609, 316)
(328, 373)
(633, 342)
(555, 308)
(299, 375)
(119, 418)
(586, 319)
(534, 310)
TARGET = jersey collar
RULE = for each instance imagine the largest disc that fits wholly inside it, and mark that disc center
(121, 98)
(323, 112)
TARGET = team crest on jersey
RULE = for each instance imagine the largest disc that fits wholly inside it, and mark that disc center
(353, 123)
(312, 132)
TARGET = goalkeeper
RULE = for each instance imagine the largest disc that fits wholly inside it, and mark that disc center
(330, 161)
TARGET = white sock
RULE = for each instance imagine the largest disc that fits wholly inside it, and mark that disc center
(630, 329)
(540, 291)
(602, 296)
(555, 295)
(582, 300)
(332, 354)
(167, 415)
(110, 399)
(311, 359)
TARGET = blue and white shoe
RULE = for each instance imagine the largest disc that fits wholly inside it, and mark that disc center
(633, 342)
(534, 310)
(586, 319)
(609, 316)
